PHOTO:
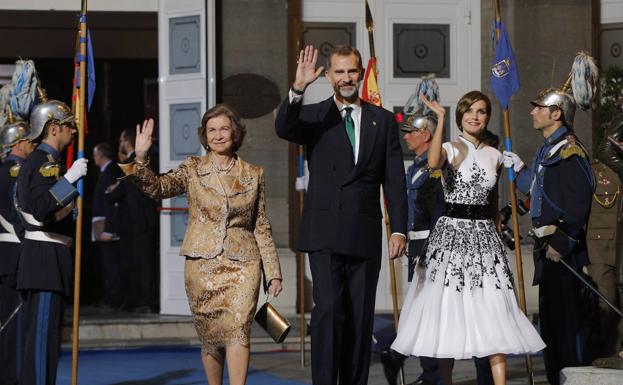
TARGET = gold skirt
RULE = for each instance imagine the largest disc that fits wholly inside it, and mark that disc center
(222, 294)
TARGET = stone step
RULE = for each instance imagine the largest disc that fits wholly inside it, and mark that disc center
(128, 330)
(590, 375)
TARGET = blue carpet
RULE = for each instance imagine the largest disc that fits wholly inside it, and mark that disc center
(167, 366)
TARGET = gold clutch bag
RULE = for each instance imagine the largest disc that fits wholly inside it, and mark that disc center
(276, 325)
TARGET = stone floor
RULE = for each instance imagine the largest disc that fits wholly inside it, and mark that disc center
(106, 329)
(288, 365)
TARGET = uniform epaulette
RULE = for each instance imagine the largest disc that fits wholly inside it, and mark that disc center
(14, 170)
(436, 174)
(572, 148)
(49, 169)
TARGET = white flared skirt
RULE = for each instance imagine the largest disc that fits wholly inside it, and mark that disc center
(461, 302)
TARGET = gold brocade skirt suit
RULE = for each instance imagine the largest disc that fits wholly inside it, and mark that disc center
(228, 242)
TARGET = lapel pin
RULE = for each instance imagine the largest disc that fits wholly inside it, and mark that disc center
(374, 122)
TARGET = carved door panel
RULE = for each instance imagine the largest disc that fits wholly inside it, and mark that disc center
(186, 85)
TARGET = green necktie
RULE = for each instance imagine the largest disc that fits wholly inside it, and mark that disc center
(350, 126)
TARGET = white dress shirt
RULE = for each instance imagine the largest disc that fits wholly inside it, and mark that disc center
(355, 114)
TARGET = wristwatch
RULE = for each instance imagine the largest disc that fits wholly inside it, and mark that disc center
(297, 92)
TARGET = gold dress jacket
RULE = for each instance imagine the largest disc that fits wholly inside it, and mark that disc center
(230, 223)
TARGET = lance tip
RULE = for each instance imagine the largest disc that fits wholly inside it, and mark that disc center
(369, 20)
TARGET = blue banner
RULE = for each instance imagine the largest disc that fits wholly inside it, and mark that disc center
(90, 63)
(504, 73)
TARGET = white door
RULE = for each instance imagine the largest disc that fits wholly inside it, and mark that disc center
(186, 89)
(412, 38)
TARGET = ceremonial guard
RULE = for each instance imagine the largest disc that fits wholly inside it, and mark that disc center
(605, 245)
(561, 184)
(14, 142)
(45, 274)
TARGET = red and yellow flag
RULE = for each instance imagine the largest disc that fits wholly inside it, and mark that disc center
(370, 91)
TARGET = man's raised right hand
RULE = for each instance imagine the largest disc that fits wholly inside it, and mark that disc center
(306, 71)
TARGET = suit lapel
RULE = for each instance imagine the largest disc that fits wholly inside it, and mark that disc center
(367, 139)
(333, 118)
(369, 130)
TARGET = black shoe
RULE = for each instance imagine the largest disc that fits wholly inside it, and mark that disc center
(392, 362)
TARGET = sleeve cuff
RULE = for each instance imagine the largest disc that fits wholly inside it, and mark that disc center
(64, 192)
(128, 168)
(294, 98)
(562, 243)
(401, 234)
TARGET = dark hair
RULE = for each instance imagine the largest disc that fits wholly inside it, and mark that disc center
(489, 138)
(238, 128)
(104, 150)
(344, 50)
(46, 130)
(466, 101)
(130, 136)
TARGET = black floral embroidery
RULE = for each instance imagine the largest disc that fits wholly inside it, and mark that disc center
(467, 253)
(463, 251)
(472, 186)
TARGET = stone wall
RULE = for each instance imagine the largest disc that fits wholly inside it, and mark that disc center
(251, 45)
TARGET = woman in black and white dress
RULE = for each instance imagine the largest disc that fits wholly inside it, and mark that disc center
(461, 303)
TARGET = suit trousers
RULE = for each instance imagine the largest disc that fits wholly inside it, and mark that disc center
(431, 376)
(560, 316)
(344, 291)
(10, 337)
(111, 266)
(42, 340)
(139, 271)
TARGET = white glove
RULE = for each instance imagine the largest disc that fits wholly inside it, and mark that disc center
(77, 170)
(301, 183)
(512, 159)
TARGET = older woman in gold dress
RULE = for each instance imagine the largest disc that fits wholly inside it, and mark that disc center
(228, 241)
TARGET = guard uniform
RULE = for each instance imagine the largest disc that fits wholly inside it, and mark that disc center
(561, 185)
(10, 302)
(426, 205)
(604, 248)
(45, 273)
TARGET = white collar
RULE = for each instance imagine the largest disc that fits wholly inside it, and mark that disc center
(480, 145)
(355, 106)
(105, 165)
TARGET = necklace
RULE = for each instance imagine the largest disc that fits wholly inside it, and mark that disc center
(226, 169)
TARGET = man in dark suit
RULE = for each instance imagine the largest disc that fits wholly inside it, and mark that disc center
(137, 225)
(105, 224)
(353, 150)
